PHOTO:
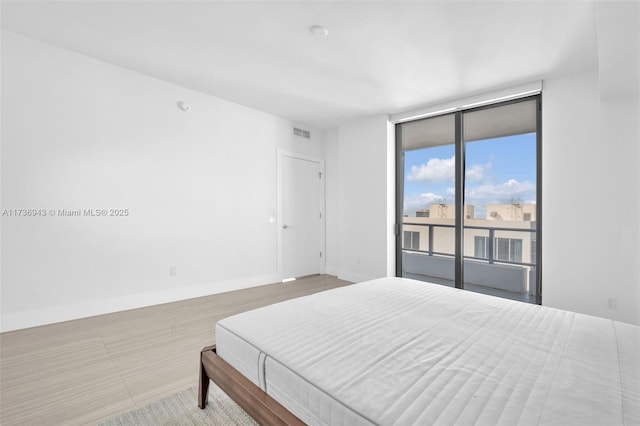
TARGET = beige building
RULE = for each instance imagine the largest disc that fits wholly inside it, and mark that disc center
(444, 211)
(435, 233)
(510, 212)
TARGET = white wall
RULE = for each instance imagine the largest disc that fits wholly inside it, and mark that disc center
(363, 193)
(78, 133)
(590, 158)
(332, 170)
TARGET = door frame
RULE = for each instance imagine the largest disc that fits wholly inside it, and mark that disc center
(280, 206)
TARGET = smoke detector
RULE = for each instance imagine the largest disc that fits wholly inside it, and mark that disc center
(184, 106)
(319, 31)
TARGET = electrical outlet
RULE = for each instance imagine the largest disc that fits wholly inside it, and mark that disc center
(173, 271)
(612, 303)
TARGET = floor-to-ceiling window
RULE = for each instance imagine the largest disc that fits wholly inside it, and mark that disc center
(428, 207)
(469, 199)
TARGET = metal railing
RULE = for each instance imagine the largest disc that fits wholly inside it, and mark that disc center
(490, 242)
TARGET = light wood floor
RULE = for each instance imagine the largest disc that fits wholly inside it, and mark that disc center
(87, 370)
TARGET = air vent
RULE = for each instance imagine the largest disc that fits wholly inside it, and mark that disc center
(302, 133)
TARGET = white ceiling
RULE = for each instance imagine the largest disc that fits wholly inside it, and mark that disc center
(379, 57)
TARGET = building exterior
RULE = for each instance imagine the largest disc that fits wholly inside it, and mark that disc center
(446, 211)
(511, 212)
(506, 237)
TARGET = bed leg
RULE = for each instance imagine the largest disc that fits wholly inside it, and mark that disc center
(203, 385)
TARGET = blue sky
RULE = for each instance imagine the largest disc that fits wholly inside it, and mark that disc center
(497, 171)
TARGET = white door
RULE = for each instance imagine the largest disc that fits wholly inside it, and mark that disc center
(301, 216)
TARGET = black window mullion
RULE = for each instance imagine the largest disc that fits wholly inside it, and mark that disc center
(538, 283)
(399, 198)
(459, 176)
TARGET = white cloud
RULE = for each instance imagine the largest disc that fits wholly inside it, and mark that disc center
(500, 193)
(476, 172)
(436, 170)
(443, 170)
(421, 201)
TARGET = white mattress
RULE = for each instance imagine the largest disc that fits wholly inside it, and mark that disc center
(404, 352)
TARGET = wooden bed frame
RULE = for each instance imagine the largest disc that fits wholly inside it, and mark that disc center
(260, 406)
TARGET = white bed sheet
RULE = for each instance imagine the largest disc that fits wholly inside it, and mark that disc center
(405, 352)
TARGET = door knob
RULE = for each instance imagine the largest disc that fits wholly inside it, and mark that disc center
(285, 226)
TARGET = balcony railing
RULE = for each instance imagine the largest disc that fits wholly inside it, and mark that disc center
(490, 242)
(491, 274)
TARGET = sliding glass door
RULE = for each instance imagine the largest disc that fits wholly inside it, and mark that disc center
(428, 206)
(468, 199)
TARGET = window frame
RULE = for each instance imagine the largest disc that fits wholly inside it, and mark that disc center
(459, 185)
(414, 237)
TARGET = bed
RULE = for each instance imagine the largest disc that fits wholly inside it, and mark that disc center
(395, 351)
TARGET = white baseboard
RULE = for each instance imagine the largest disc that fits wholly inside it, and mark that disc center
(60, 313)
(331, 271)
(355, 277)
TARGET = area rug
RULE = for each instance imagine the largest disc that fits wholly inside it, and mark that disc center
(182, 409)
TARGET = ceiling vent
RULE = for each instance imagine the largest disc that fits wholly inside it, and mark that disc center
(302, 133)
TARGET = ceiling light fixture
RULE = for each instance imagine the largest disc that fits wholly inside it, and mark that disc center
(319, 31)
